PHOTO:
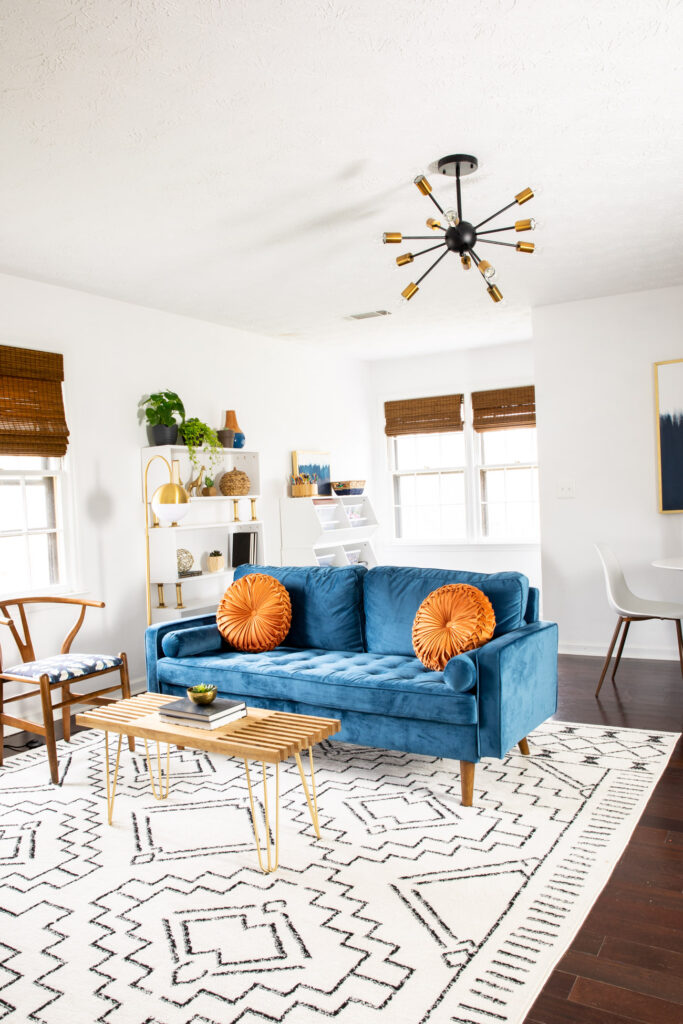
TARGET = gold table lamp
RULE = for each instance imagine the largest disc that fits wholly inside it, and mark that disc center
(170, 503)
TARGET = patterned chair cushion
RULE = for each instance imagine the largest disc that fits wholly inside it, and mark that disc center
(62, 667)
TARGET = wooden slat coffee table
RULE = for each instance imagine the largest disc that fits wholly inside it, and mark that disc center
(266, 736)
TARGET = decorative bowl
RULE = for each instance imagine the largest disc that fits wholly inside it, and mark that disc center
(348, 486)
(202, 696)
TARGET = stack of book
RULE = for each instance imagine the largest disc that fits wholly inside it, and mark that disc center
(203, 716)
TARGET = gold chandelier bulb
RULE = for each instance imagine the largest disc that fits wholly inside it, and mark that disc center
(524, 196)
(407, 257)
(466, 261)
(495, 292)
(525, 247)
(423, 185)
(392, 236)
(409, 291)
(452, 218)
(525, 225)
(486, 270)
(433, 224)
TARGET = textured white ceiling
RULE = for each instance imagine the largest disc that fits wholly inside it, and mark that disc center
(238, 160)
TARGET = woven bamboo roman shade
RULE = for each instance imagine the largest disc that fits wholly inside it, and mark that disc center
(423, 415)
(32, 420)
(504, 408)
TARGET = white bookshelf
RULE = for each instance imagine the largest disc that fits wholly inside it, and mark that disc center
(210, 525)
(328, 531)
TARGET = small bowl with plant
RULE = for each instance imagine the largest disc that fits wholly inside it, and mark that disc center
(203, 693)
(216, 561)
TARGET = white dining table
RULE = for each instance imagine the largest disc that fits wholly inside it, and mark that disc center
(669, 563)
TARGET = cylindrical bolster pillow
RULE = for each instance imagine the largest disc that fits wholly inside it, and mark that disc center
(196, 640)
(460, 674)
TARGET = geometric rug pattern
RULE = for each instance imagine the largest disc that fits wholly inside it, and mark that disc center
(410, 908)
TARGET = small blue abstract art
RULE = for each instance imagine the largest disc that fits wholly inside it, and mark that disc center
(316, 465)
(669, 393)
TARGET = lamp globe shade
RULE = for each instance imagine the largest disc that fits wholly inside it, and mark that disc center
(170, 503)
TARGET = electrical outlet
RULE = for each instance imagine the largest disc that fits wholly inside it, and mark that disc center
(565, 489)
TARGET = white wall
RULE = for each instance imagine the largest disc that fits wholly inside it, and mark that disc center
(596, 426)
(439, 374)
(286, 396)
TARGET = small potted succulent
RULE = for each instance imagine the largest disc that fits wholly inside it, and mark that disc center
(203, 693)
(196, 434)
(209, 488)
(160, 410)
(216, 561)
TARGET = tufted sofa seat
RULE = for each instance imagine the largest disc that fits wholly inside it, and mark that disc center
(349, 655)
(371, 683)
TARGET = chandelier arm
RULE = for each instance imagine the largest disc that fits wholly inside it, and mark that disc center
(429, 270)
(437, 204)
(491, 231)
(494, 241)
(496, 214)
(430, 249)
(412, 238)
(457, 190)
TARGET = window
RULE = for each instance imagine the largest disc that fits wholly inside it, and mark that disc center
(508, 479)
(477, 479)
(429, 485)
(33, 438)
(31, 533)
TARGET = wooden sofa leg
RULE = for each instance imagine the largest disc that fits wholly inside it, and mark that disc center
(466, 782)
(524, 746)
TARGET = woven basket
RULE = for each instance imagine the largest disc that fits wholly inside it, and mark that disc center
(304, 490)
(235, 483)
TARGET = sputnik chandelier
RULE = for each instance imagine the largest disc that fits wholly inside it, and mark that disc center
(459, 235)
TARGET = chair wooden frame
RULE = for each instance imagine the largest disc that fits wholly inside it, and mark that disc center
(45, 687)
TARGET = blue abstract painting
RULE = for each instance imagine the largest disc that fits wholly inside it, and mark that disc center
(316, 465)
(669, 390)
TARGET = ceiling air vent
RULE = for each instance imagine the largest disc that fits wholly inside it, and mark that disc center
(368, 316)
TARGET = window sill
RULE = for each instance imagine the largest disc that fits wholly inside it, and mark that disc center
(461, 545)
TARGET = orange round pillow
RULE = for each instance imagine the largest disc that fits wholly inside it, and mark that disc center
(255, 613)
(450, 620)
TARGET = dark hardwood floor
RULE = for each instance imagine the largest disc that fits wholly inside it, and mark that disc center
(626, 963)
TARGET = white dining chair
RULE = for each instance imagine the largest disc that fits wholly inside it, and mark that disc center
(630, 608)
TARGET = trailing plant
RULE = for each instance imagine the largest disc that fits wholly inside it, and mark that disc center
(161, 407)
(196, 435)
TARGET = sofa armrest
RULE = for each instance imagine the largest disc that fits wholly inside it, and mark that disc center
(517, 685)
(155, 634)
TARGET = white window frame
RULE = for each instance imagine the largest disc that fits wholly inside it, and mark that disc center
(62, 540)
(474, 505)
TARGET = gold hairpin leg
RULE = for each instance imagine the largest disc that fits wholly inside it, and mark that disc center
(160, 794)
(111, 788)
(312, 805)
(271, 865)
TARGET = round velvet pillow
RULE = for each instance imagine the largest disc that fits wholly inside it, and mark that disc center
(255, 613)
(450, 620)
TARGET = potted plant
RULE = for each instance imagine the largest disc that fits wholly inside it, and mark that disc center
(160, 410)
(209, 488)
(196, 435)
(216, 562)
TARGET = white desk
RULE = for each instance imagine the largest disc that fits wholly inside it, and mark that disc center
(669, 563)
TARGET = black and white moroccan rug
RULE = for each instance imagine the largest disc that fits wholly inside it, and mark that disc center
(410, 908)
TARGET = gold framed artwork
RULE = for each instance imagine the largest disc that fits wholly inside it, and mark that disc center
(669, 408)
(314, 464)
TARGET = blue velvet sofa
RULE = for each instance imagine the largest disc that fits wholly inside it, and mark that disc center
(349, 655)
